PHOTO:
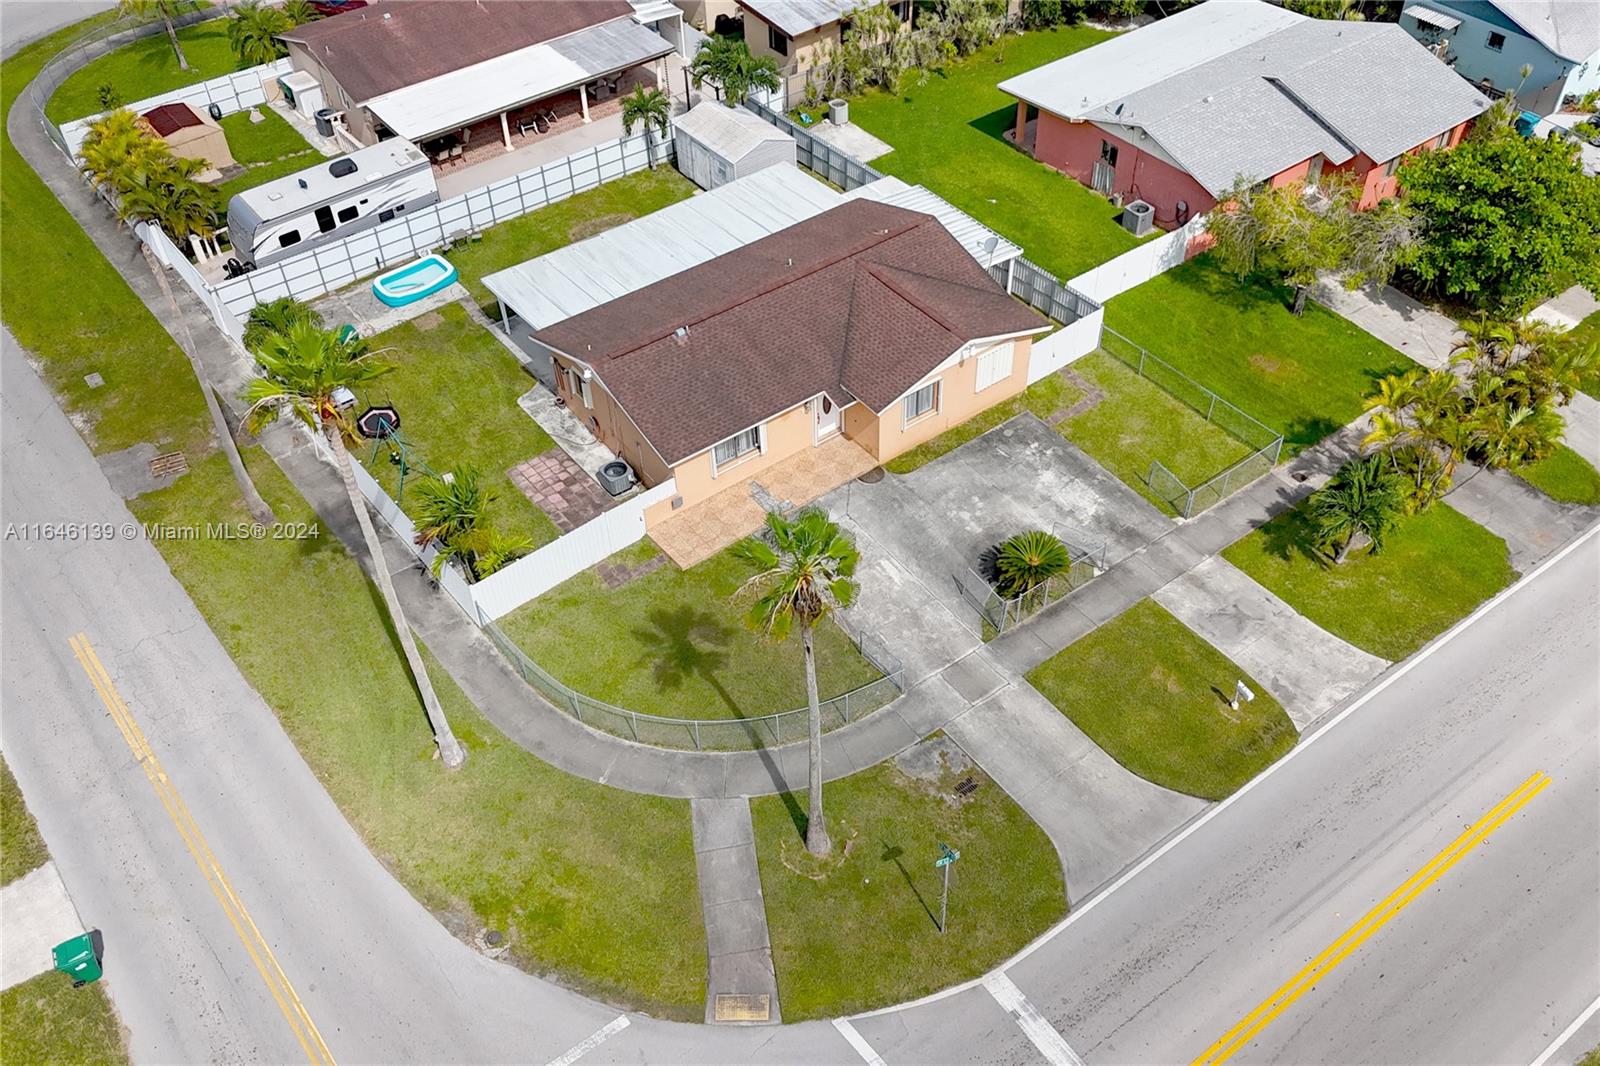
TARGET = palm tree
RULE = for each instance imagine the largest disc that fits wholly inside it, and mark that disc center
(163, 10)
(304, 368)
(118, 146)
(276, 316)
(805, 574)
(1362, 499)
(253, 32)
(172, 199)
(299, 12)
(727, 63)
(450, 516)
(651, 107)
(1028, 560)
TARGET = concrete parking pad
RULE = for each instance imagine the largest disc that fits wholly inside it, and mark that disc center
(1100, 816)
(1531, 523)
(1308, 669)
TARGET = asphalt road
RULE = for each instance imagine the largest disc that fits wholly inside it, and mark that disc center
(22, 21)
(1486, 965)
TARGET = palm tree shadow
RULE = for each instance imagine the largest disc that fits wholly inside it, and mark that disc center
(892, 853)
(685, 642)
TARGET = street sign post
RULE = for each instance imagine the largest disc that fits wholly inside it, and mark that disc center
(945, 861)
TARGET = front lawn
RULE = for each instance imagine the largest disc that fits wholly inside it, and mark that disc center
(45, 1019)
(1155, 696)
(456, 389)
(946, 136)
(1565, 477)
(1305, 377)
(591, 884)
(267, 149)
(1434, 569)
(144, 68)
(22, 849)
(671, 642)
(858, 931)
(563, 223)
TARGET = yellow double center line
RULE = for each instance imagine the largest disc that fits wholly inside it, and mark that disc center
(1240, 1035)
(255, 944)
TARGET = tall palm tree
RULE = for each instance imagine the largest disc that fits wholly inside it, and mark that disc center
(651, 107)
(253, 32)
(805, 574)
(1362, 499)
(304, 368)
(164, 10)
(727, 63)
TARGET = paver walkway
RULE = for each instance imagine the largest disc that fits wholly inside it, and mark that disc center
(561, 489)
(741, 986)
(36, 914)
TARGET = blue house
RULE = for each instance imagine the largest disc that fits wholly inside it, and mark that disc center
(1489, 42)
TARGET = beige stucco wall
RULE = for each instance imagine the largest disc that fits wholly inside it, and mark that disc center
(959, 400)
(802, 49)
(787, 435)
(357, 119)
(702, 14)
(611, 425)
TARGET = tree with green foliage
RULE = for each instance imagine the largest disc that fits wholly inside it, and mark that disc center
(116, 148)
(1028, 560)
(804, 575)
(303, 369)
(1504, 218)
(450, 517)
(277, 316)
(651, 107)
(300, 12)
(253, 30)
(726, 62)
(166, 11)
(1363, 500)
(173, 198)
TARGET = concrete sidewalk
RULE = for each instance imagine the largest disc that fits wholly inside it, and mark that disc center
(741, 987)
(36, 914)
(1531, 523)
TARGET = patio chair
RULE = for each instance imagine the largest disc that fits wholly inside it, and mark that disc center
(456, 153)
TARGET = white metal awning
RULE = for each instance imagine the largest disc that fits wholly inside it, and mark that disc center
(463, 96)
(1431, 17)
(646, 12)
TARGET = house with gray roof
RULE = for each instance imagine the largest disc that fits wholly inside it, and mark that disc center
(1176, 112)
(1491, 43)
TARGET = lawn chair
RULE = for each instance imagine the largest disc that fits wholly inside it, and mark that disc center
(456, 153)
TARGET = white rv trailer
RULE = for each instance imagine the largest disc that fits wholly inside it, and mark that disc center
(330, 201)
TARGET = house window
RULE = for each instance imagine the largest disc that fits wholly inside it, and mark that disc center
(1497, 41)
(1108, 154)
(1441, 140)
(903, 9)
(1391, 167)
(578, 386)
(777, 41)
(994, 366)
(919, 404)
(348, 214)
(735, 448)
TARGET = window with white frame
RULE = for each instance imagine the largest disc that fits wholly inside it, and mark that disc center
(578, 386)
(919, 404)
(736, 447)
(994, 365)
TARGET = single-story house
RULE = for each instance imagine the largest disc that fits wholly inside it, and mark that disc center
(867, 321)
(1178, 111)
(794, 32)
(190, 134)
(1491, 42)
(420, 69)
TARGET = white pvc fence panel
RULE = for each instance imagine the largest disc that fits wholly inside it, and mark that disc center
(537, 573)
(1070, 342)
(1131, 269)
(326, 268)
(231, 92)
(169, 255)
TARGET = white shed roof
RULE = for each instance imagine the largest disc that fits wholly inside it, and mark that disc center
(452, 100)
(1432, 18)
(973, 235)
(731, 132)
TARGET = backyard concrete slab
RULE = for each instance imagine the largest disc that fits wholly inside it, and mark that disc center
(1100, 817)
(36, 914)
(573, 437)
(738, 948)
(1309, 670)
(357, 306)
(1531, 523)
(850, 139)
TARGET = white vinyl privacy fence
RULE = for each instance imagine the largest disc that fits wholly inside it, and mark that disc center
(1133, 268)
(231, 93)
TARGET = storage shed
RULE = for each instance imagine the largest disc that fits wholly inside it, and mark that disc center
(190, 134)
(717, 143)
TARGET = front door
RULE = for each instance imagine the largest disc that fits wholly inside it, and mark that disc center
(824, 419)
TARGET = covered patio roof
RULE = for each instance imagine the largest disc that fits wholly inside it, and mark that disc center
(450, 101)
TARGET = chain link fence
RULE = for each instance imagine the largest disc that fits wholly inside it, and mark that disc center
(1265, 443)
(1000, 613)
(719, 734)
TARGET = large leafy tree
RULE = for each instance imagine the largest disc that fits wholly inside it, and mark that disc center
(1503, 218)
(166, 11)
(805, 574)
(303, 369)
(726, 62)
(253, 31)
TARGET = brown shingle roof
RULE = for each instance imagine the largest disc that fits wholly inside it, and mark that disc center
(170, 118)
(859, 302)
(387, 46)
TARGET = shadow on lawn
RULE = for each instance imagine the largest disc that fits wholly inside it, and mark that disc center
(892, 853)
(996, 122)
(1290, 536)
(686, 642)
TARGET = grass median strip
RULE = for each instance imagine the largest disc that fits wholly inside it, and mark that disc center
(1155, 696)
(1565, 477)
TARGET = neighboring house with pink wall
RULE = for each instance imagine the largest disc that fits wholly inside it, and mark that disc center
(1178, 111)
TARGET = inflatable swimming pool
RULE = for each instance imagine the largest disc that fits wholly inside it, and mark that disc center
(412, 282)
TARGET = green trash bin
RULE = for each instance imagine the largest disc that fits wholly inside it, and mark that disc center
(77, 959)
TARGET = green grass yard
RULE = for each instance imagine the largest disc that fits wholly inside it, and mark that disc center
(588, 881)
(1434, 569)
(858, 932)
(1587, 333)
(1565, 477)
(22, 849)
(456, 389)
(144, 68)
(1304, 377)
(1150, 692)
(946, 136)
(267, 149)
(46, 1020)
(672, 643)
(563, 223)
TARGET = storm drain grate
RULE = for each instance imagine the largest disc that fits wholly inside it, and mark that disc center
(170, 465)
(966, 787)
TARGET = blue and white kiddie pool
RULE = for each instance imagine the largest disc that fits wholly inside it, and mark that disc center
(412, 282)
